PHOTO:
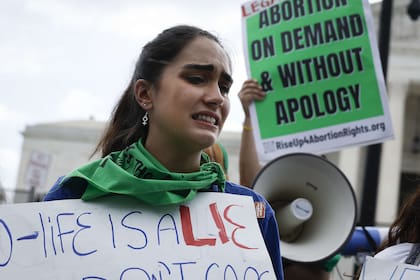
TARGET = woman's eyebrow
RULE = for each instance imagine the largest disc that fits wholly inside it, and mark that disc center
(204, 67)
(208, 68)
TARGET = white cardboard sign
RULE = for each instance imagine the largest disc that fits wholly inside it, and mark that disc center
(216, 236)
(374, 269)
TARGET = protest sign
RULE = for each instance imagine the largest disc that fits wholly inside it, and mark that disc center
(319, 64)
(215, 236)
(387, 270)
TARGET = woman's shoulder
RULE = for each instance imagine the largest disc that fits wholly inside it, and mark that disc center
(398, 252)
(262, 206)
(66, 188)
(234, 188)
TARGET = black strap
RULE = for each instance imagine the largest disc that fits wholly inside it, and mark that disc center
(371, 241)
(414, 255)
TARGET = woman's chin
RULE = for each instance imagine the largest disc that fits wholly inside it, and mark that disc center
(207, 141)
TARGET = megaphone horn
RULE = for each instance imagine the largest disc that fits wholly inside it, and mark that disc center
(314, 203)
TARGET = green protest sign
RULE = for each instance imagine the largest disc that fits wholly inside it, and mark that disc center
(319, 64)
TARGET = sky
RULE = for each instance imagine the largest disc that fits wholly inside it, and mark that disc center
(71, 59)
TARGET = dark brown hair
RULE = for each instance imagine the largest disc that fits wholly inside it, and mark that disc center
(124, 127)
(406, 226)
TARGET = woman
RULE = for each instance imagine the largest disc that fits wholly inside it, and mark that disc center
(174, 107)
(403, 243)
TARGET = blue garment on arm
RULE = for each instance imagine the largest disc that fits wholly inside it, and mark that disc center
(74, 188)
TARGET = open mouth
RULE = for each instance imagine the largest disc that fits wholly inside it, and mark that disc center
(205, 118)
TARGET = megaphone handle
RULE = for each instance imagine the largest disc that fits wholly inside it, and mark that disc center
(370, 239)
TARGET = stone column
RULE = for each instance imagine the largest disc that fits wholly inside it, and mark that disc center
(391, 159)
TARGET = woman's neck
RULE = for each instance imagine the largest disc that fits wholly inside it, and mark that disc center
(174, 157)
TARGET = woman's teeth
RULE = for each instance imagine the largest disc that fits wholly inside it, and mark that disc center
(206, 119)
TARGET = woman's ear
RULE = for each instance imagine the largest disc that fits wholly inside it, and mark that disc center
(142, 93)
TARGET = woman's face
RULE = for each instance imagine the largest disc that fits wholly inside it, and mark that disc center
(191, 103)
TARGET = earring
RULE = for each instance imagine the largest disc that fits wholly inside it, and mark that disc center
(145, 119)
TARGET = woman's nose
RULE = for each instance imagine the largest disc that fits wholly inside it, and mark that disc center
(214, 95)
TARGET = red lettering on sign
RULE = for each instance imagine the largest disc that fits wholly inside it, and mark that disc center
(225, 215)
(191, 240)
(255, 6)
(188, 232)
(219, 223)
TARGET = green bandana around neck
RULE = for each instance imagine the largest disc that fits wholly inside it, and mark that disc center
(135, 172)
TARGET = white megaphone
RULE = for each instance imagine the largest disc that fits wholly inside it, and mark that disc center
(314, 203)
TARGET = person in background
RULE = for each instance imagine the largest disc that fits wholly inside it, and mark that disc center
(403, 242)
(173, 108)
(218, 153)
(249, 166)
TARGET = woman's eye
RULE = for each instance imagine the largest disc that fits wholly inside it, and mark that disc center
(224, 89)
(195, 79)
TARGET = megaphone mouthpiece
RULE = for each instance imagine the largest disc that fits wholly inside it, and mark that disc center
(293, 216)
